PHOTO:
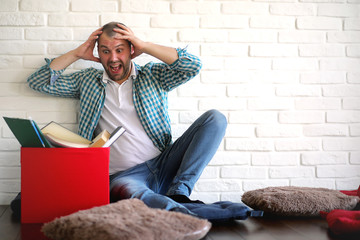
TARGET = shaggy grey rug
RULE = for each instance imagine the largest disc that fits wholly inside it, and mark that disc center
(126, 219)
(298, 201)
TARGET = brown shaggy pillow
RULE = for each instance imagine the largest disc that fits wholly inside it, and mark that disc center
(298, 201)
(126, 219)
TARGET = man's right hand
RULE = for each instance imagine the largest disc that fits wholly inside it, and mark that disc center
(85, 51)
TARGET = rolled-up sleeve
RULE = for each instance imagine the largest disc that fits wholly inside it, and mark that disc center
(186, 62)
(182, 70)
(54, 82)
(54, 74)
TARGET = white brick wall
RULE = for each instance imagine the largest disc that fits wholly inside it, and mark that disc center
(285, 73)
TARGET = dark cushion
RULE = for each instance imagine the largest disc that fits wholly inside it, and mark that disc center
(15, 206)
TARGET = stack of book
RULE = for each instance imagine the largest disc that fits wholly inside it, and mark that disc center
(53, 134)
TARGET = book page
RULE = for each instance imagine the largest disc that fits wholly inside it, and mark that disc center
(64, 134)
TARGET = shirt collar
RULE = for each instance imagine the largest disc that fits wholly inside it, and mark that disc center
(132, 75)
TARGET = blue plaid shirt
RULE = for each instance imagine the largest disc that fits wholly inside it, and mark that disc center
(150, 93)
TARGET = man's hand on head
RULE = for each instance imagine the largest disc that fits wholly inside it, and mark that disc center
(121, 32)
(125, 33)
(86, 50)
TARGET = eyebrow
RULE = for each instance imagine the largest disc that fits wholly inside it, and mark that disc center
(119, 45)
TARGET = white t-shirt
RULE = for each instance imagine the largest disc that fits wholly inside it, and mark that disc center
(134, 146)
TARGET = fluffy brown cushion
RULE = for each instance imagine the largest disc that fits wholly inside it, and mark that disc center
(126, 219)
(298, 201)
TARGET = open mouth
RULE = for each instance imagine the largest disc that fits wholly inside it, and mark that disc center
(115, 68)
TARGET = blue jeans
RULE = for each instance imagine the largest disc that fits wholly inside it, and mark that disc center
(174, 171)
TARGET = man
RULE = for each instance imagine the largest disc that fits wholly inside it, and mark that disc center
(144, 162)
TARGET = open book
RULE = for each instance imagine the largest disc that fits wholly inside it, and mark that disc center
(60, 136)
(55, 135)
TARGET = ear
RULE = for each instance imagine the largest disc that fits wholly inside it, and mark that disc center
(132, 49)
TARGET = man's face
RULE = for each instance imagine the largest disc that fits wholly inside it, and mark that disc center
(115, 56)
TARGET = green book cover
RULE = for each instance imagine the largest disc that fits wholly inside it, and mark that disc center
(27, 132)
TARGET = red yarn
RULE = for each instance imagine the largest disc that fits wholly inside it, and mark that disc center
(352, 192)
(344, 221)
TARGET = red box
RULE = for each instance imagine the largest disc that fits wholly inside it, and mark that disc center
(59, 181)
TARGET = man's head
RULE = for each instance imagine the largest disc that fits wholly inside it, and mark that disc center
(108, 29)
(114, 53)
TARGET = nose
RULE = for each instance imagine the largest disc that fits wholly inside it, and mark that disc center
(114, 57)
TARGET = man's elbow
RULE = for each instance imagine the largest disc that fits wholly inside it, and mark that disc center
(197, 67)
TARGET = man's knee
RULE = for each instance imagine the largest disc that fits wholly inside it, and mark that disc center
(125, 189)
(119, 191)
(217, 118)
